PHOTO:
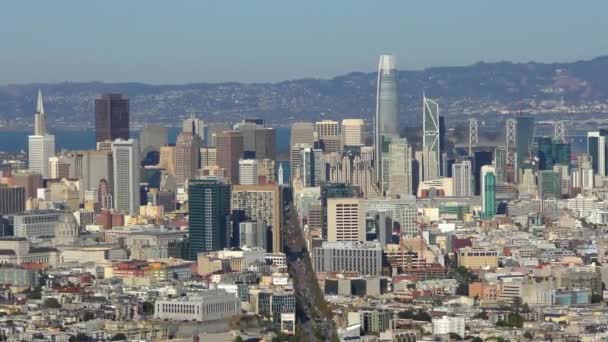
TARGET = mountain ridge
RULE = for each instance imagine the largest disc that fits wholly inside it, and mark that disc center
(481, 88)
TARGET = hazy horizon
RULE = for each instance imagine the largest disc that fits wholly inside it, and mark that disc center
(192, 41)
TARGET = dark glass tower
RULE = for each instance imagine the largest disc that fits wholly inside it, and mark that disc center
(209, 221)
(111, 117)
(524, 137)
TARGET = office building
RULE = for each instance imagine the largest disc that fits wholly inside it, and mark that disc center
(126, 176)
(39, 116)
(524, 138)
(462, 179)
(266, 171)
(549, 184)
(229, 151)
(312, 167)
(37, 223)
(302, 135)
(500, 162)
(399, 167)
(480, 159)
(431, 149)
(596, 149)
(111, 117)
(59, 168)
(352, 132)
(29, 180)
(265, 143)
(40, 149)
(187, 155)
(328, 135)
(551, 152)
(252, 234)
(195, 126)
(12, 199)
(488, 191)
(387, 107)
(248, 171)
(345, 219)
(152, 138)
(209, 207)
(208, 156)
(41, 145)
(206, 305)
(476, 258)
(261, 203)
(449, 325)
(362, 258)
(166, 159)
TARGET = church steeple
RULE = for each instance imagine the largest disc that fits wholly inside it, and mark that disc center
(39, 116)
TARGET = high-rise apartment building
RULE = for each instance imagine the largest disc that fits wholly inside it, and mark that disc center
(462, 174)
(387, 107)
(209, 207)
(352, 132)
(488, 191)
(111, 117)
(126, 175)
(261, 203)
(229, 151)
(345, 219)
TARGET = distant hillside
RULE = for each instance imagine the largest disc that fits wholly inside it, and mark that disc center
(479, 89)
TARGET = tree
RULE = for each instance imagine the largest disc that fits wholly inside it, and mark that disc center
(455, 337)
(147, 308)
(52, 303)
(238, 339)
(80, 337)
(120, 337)
(528, 335)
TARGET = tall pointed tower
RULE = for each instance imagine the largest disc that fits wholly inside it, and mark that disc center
(39, 116)
(41, 145)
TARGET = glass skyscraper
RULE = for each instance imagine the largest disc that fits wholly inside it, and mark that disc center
(524, 137)
(387, 107)
(209, 206)
(488, 191)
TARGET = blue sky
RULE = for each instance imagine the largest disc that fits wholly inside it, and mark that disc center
(181, 41)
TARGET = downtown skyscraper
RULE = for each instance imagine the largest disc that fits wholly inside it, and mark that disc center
(431, 140)
(126, 175)
(209, 206)
(41, 145)
(387, 108)
(111, 117)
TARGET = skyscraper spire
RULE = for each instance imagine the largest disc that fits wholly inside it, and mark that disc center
(39, 104)
(387, 108)
(39, 116)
